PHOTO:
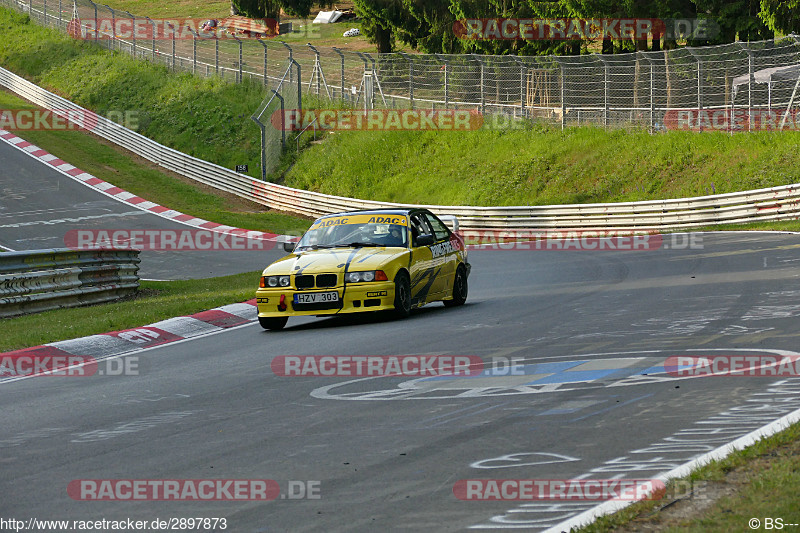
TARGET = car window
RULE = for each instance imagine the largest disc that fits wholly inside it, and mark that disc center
(419, 226)
(439, 229)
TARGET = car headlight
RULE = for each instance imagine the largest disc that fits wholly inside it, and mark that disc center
(369, 275)
(274, 281)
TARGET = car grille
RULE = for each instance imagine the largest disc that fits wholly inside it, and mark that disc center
(326, 280)
(304, 281)
(307, 281)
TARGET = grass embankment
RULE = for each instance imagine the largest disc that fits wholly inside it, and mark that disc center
(757, 482)
(157, 300)
(141, 177)
(535, 165)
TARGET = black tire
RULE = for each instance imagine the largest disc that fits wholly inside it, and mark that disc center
(460, 288)
(273, 322)
(402, 295)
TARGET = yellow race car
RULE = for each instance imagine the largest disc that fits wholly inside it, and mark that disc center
(378, 260)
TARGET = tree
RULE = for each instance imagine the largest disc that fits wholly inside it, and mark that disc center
(271, 8)
(781, 15)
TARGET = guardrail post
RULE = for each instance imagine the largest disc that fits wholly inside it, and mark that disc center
(265, 59)
(341, 56)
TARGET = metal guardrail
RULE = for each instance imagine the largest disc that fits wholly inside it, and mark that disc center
(775, 203)
(39, 280)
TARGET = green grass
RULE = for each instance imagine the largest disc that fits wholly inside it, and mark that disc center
(766, 474)
(157, 300)
(147, 180)
(530, 165)
(541, 165)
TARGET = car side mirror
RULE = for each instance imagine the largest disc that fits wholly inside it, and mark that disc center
(426, 239)
(289, 246)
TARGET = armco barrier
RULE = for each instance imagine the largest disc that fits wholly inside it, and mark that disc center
(775, 203)
(38, 280)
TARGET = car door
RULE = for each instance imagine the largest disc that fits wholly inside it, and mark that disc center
(423, 265)
(445, 255)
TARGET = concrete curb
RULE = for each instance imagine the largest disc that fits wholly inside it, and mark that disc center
(128, 341)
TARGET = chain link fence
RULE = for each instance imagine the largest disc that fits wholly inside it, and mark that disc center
(726, 87)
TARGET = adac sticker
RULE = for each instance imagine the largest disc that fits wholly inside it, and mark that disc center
(360, 219)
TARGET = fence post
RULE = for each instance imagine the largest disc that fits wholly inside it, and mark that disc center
(173, 44)
(95, 22)
(153, 24)
(563, 95)
(265, 59)
(133, 32)
(750, 81)
(605, 89)
(699, 87)
(652, 94)
(410, 78)
(317, 68)
(341, 55)
(60, 20)
(239, 75)
(291, 60)
(194, 50)
(113, 27)
(522, 69)
(45, 12)
(483, 101)
(446, 80)
(216, 54)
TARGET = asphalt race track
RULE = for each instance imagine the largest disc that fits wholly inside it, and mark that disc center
(383, 454)
(39, 206)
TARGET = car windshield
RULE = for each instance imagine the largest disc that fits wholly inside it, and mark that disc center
(355, 235)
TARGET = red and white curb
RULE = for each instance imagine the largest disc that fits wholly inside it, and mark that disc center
(131, 199)
(128, 341)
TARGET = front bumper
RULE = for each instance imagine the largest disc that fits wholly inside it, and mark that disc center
(353, 298)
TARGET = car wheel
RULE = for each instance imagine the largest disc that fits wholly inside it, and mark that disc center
(402, 295)
(460, 288)
(273, 322)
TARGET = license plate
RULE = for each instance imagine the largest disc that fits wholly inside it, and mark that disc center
(316, 297)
